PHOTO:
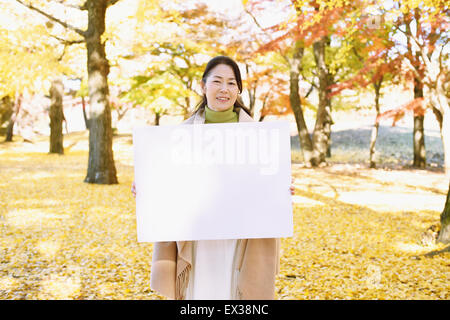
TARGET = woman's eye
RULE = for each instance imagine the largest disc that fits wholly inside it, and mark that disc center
(216, 81)
(231, 83)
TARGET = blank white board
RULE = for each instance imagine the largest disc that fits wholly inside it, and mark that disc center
(213, 181)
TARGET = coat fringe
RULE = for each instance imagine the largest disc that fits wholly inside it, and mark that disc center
(182, 283)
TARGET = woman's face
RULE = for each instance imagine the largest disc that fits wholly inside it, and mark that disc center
(220, 88)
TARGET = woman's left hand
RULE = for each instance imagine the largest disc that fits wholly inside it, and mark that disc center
(292, 188)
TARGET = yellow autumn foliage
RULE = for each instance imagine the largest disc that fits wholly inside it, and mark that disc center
(61, 238)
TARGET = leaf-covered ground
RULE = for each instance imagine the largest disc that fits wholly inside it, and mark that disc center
(357, 231)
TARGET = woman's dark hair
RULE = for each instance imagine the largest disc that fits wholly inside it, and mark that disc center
(237, 74)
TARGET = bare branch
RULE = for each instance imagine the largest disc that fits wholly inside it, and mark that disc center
(112, 2)
(68, 42)
(71, 5)
(440, 53)
(50, 17)
(310, 90)
(85, 5)
(413, 69)
(62, 54)
(425, 58)
(254, 19)
(258, 25)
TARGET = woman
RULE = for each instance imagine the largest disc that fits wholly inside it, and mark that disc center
(217, 269)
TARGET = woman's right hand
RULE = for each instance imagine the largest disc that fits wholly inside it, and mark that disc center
(133, 189)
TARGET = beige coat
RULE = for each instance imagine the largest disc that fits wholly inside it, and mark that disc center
(256, 260)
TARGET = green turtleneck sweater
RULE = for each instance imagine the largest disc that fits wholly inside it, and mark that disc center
(226, 116)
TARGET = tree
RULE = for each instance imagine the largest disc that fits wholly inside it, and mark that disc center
(14, 115)
(6, 110)
(272, 86)
(101, 167)
(168, 84)
(25, 47)
(322, 128)
(306, 143)
(56, 117)
(309, 24)
(444, 233)
(419, 160)
(427, 63)
(263, 74)
(174, 50)
(369, 62)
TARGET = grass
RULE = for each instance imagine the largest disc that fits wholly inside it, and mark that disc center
(393, 148)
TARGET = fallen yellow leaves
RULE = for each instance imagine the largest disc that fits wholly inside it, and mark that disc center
(343, 250)
(61, 238)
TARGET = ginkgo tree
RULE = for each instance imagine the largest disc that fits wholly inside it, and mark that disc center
(101, 167)
(168, 84)
(29, 60)
(176, 51)
(444, 233)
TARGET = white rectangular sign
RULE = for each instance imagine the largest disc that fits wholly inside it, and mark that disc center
(213, 181)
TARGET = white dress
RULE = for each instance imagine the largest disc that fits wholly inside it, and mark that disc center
(212, 276)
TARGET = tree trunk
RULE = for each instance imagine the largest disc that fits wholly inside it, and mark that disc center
(6, 109)
(262, 114)
(86, 120)
(414, 57)
(294, 98)
(56, 117)
(157, 118)
(12, 120)
(444, 126)
(444, 233)
(373, 140)
(101, 167)
(251, 92)
(438, 116)
(187, 101)
(374, 135)
(418, 132)
(445, 136)
(440, 101)
(322, 128)
(419, 143)
(435, 78)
